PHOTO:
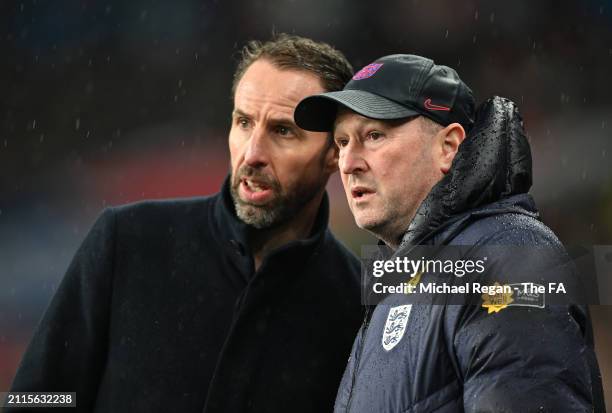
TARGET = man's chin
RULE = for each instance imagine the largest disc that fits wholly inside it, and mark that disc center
(255, 205)
(374, 225)
(367, 222)
(253, 209)
(258, 216)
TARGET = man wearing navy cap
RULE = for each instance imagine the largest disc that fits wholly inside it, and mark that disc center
(420, 166)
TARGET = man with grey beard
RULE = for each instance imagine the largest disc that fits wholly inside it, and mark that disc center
(242, 301)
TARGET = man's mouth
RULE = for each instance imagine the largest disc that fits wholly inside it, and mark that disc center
(255, 192)
(254, 186)
(361, 192)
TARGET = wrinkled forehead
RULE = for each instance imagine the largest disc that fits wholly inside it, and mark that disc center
(265, 82)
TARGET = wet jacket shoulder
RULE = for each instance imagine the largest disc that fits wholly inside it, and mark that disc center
(161, 309)
(516, 358)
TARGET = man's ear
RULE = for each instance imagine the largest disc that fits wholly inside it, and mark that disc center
(331, 157)
(449, 138)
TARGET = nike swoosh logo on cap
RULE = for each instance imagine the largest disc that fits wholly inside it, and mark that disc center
(431, 106)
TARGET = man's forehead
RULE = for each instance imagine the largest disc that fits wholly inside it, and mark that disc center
(284, 115)
(265, 80)
(276, 106)
(252, 97)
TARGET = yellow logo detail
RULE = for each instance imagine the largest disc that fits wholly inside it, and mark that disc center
(414, 281)
(494, 303)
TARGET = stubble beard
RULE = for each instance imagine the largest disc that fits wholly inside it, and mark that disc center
(389, 223)
(284, 205)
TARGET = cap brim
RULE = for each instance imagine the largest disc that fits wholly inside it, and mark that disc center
(317, 113)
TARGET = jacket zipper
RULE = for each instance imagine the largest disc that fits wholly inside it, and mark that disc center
(365, 324)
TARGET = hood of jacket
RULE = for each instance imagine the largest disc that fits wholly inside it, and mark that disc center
(492, 164)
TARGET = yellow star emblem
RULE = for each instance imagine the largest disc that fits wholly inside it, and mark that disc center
(494, 303)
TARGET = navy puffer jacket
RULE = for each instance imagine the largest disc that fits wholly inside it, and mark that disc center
(461, 358)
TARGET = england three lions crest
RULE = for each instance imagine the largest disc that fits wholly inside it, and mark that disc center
(397, 320)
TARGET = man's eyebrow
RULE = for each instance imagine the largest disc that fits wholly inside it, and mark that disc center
(238, 112)
(277, 119)
(283, 119)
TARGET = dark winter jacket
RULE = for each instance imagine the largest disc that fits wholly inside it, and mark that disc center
(464, 358)
(161, 310)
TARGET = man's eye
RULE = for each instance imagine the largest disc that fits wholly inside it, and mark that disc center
(243, 122)
(283, 130)
(374, 136)
(341, 142)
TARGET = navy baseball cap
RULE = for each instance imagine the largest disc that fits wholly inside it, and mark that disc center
(394, 87)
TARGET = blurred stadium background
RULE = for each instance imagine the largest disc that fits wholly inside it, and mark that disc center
(107, 102)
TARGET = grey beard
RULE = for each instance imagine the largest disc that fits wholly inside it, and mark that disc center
(260, 217)
(280, 211)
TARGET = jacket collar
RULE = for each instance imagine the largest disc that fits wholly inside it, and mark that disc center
(516, 204)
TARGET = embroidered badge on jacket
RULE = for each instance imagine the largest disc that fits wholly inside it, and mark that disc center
(397, 320)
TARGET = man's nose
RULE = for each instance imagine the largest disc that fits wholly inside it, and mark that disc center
(351, 160)
(256, 154)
